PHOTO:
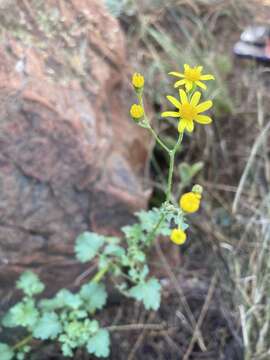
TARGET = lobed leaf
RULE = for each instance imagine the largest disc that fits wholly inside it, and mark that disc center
(148, 292)
(6, 352)
(47, 327)
(87, 246)
(94, 296)
(99, 344)
(30, 284)
(23, 314)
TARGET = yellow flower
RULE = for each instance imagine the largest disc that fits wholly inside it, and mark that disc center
(138, 81)
(189, 110)
(178, 236)
(136, 112)
(190, 202)
(192, 76)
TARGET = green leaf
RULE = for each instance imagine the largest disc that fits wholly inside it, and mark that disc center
(66, 298)
(114, 250)
(149, 219)
(88, 245)
(133, 232)
(99, 344)
(187, 172)
(147, 292)
(24, 313)
(6, 352)
(66, 350)
(47, 327)
(8, 320)
(94, 296)
(30, 284)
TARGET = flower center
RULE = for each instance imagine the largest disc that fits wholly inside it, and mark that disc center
(188, 111)
(192, 74)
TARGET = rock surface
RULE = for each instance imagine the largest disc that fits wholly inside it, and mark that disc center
(70, 159)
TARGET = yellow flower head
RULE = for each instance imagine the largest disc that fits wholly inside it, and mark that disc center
(178, 236)
(137, 81)
(136, 112)
(190, 202)
(192, 76)
(189, 110)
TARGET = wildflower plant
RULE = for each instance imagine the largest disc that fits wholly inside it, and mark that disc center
(69, 318)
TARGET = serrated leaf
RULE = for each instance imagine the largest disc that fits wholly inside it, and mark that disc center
(94, 296)
(66, 350)
(149, 219)
(6, 352)
(30, 284)
(66, 298)
(99, 344)
(88, 245)
(133, 231)
(47, 327)
(114, 250)
(8, 320)
(24, 313)
(148, 292)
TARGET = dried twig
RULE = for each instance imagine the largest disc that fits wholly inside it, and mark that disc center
(202, 315)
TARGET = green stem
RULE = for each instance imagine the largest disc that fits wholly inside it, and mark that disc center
(22, 342)
(158, 140)
(99, 275)
(171, 166)
(155, 228)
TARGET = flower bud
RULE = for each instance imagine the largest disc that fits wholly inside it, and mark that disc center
(178, 236)
(197, 189)
(136, 112)
(190, 202)
(138, 81)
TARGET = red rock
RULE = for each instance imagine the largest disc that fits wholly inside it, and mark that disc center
(70, 157)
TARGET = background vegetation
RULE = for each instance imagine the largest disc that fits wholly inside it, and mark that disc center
(224, 272)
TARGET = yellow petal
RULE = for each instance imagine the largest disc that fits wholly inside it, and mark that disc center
(204, 106)
(203, 119)
(201, 84)
(186, 67)
(190, 125)
(170, 114)
(179, 83)
(200, 68)
(182, 125)
(174, 73)
(174, 101)
(195, 98)
(207, 77)
(183, 96)
(189, 85)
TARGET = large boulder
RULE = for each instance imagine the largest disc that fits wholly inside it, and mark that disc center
(70, 158)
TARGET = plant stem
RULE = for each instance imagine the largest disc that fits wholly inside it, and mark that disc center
(158, 140)
(153, 232)
(99, 275)
(22, 342)
(171, 166)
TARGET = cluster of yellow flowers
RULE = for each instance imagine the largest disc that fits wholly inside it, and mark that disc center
(188, 109)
